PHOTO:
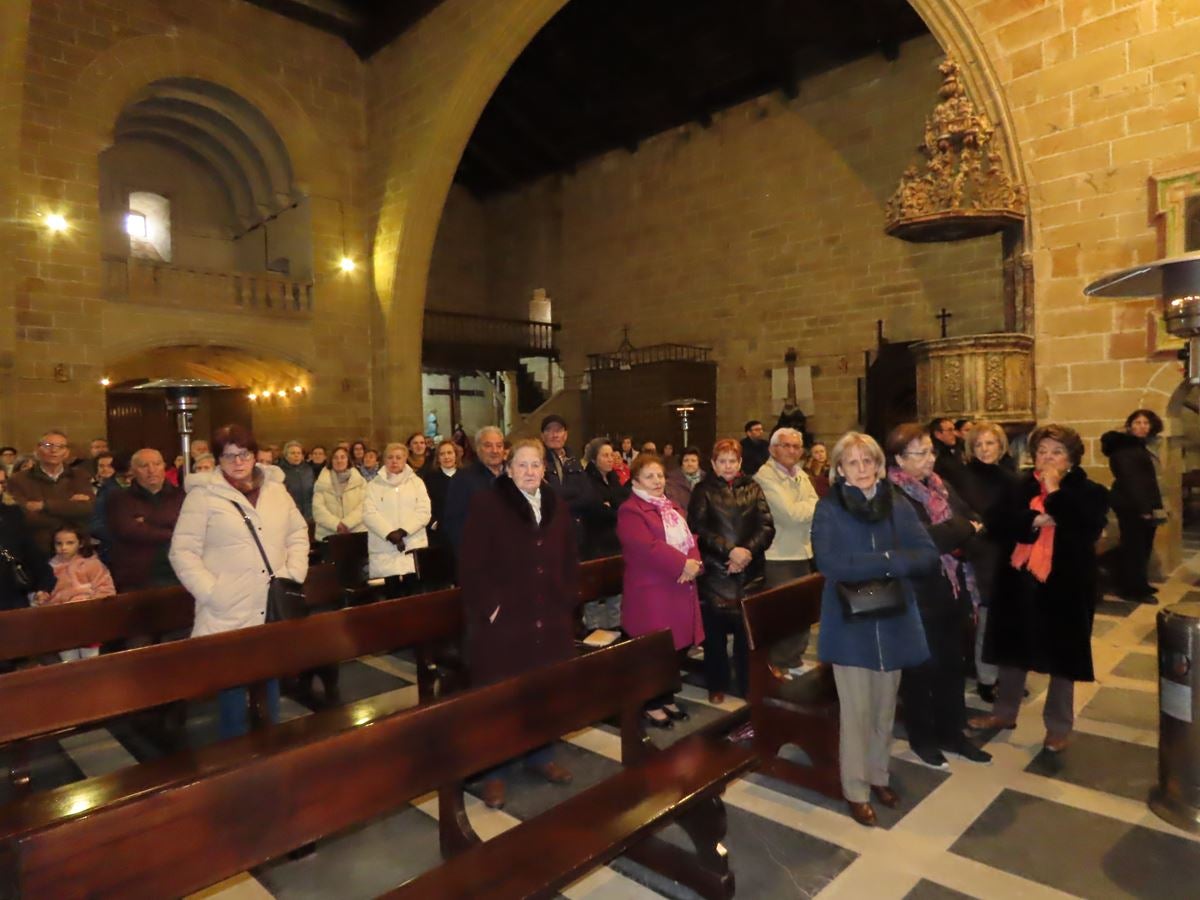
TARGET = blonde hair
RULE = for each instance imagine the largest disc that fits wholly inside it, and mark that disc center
(856, 439)
(395, 445)
(978, 430)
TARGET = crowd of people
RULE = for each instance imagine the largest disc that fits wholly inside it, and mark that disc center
(918, 539)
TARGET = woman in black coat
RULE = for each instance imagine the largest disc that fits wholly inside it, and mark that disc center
(732, 522)
(989, 477)
(17, 548)
(437, 484)
(934, 712)
(600, 519)
(1136, 500)
(519, 571)
(1041, 615)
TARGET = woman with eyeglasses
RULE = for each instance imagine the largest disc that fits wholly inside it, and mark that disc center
(217, 558)
(934, 710)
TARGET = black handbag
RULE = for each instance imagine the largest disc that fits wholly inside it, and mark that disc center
(20, 574)
(285, 596)
(874, 598)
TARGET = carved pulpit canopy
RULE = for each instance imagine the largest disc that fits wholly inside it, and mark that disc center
(983, 376)
(962, 190)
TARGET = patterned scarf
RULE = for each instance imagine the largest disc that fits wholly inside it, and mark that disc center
(933, 495)
(1036, 557)
(674, 525)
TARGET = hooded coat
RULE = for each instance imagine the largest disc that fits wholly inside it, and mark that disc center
(216, 558)
(395, 502)
(520, 582)
(329, 508)
(1047, 627)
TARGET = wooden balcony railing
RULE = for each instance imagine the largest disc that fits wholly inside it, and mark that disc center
(488, 343)
(145, 281)
(640, 356)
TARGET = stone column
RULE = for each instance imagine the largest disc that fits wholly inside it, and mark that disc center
(512, 415)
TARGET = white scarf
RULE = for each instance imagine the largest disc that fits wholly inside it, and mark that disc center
(535, 503)
(674, 525)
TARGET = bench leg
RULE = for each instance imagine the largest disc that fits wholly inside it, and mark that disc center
(706, 870)
(455, 833)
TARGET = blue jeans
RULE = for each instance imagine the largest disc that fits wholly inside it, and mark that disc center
(234, 705)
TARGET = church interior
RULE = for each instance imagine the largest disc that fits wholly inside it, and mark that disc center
(356, 220)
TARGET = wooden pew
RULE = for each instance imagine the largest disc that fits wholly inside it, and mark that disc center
(801, 711)
(177, 825)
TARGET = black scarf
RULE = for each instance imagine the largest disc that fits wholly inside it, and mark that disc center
(855, 502)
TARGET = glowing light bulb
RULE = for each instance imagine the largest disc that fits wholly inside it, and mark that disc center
(347, 264)
(298, 389)
(281, 393)
(56, 223)
(105, 382)
(252, 396)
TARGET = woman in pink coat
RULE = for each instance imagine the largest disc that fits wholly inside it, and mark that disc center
(661, 565)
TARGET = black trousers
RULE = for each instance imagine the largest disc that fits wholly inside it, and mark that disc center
(1133, 554)
(932, 693)
(719, 623)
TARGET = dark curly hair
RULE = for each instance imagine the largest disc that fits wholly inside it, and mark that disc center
(1064, 434)
(1156, 423)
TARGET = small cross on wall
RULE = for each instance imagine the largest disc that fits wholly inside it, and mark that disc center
(944, 316)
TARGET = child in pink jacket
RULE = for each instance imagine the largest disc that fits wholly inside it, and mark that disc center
(80, 576)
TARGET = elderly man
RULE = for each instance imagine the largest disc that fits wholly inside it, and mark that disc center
(793, 500)
(141, 520)
(479, 476)
(50, 494)
(564, 472)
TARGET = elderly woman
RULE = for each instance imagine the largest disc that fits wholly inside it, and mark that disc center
(519, 571)
(662, 560)
(934, 711)
(1136, 500)
(298, 477)
(338, 498)
(1041, 615)
(988, 480)
(217, 557)
(437, 483)
(396, 512)
(731, 520)
(682, 479)
(863, 532)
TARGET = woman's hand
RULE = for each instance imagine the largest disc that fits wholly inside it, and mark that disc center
(739, 558)
(41, 598)
(1051, 478)
(342, 529)
(1042, 520)
(691, 569)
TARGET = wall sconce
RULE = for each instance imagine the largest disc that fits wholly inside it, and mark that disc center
(252, 397)
(347, 264)
(298, 389)
(56, 223)
(105, 381)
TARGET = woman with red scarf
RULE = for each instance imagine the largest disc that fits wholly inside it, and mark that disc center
(934, 711)
(1041, 616)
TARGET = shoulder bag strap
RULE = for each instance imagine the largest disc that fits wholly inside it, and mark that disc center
(254, 534)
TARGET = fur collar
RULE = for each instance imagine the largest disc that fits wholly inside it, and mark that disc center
(512, 496)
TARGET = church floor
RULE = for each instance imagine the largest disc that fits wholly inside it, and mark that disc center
(1031, 825)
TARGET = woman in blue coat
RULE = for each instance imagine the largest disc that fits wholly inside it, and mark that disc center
(860, 533)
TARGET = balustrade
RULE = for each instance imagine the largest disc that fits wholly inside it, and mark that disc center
(144, 281)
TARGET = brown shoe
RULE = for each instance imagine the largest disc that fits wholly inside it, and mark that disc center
(553, 772)
(862, 813)
(885, 795)
(989, 722)
(493, 793)
(1056, 743)
(716, 697)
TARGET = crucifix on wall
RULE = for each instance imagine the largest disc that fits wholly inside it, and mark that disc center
(455, 392)
(944, 316)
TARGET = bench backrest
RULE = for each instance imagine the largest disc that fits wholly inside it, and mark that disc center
(256, 797)
(53, 698)
(601, 578)
(782, 611)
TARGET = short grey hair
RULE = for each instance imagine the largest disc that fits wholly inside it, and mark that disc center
(484, 430)
(786, 432)
(133, 460)
(857, 439)
(291, 444)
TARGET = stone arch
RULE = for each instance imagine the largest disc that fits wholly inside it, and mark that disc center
(116, 77)
(476, 48)
(259, 344)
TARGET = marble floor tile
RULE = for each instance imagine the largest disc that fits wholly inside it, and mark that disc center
(931, 890)
(1080, 852)
(1138, 709)
(1143, 666)
(1103, 764)
(1113, 607)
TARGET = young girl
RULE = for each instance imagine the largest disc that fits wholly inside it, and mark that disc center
(80, 576)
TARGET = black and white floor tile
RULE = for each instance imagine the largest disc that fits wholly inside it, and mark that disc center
(1031, 825)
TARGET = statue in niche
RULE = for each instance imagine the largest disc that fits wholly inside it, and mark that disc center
(431, 426)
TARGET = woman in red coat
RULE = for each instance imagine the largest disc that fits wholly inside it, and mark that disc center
(518, 568)
(662, 561)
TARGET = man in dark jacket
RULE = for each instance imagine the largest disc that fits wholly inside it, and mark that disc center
(51, 494)
(948, 461)
(755, 451)
(141, 519)
(564, 472)
(479, 476)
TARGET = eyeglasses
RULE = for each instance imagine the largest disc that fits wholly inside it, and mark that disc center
(47, 445)
(244, 456)
(918, 454)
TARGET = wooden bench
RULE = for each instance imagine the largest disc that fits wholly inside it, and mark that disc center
(799, 711)
(177, 825)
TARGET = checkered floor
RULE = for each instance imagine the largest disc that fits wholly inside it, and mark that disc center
(1031, 825)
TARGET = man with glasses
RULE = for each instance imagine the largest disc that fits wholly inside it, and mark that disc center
(948, 462)
(52, 495)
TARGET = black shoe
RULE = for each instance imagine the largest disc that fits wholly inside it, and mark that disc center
(676, 712)
(968, 751)
(932, 757)
(986, 692)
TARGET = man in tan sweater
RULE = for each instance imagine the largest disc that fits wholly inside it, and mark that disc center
(50, 494)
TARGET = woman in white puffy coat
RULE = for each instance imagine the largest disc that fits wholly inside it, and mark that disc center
(338, 497)
(217, 559)
(396, 512)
